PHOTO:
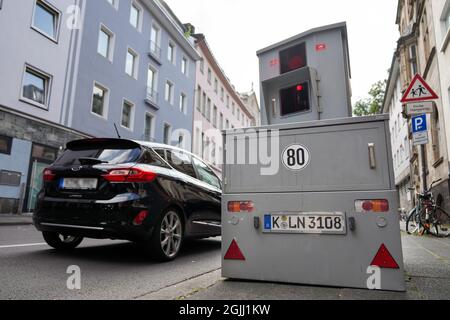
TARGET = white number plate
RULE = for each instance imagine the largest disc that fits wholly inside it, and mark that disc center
(79, 184)
(316, 223)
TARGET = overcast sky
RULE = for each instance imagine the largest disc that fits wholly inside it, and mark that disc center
(236, 29)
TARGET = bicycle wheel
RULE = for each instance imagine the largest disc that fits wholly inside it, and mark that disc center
(425, 224)
(412, 222)
(442, 222)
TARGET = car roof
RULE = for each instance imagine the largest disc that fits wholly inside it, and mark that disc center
(162, 146)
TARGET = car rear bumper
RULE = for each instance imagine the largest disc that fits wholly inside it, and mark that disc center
(112, 219)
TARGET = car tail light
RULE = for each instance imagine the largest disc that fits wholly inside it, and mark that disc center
(130, 175)
(240, 206)
(48, 175)
(141, 216)
(372, 205)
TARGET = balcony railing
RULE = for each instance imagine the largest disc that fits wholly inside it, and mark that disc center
(155, 51)
(152, 97)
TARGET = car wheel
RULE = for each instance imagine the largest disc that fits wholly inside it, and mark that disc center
(167, 236)
(61, 242)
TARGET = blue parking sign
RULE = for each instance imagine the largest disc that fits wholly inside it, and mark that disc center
(419, 123)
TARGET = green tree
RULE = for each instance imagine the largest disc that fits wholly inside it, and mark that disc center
(374, 103)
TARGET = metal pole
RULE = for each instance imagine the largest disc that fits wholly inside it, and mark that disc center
(424, 167)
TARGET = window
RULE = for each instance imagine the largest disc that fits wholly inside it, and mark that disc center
(135, 15)
(205, 174)
(214, 119)
(166, 133)
(152, 85)
(131, 63)
(35, 87)
(184, 66)
(293, 58)
(148, 127)
(127, 114)
(221, 121)
(169, 92)
(413, 60)
(227, 124)
(10, 178)
(104, 46)
(294, 99)
(202, 65)
(99, 100)
(199, 98)
(171, 52)
(204, 104)
(233, 108)
(222, 94)
(5, 145)
(208, 110)
(114, 3)
(181, 162)
(435, 134)
(209, 75)
(447, 18)
(46, 19)
(155, 41)
(228, 101)
(183, 103)
(216, 86)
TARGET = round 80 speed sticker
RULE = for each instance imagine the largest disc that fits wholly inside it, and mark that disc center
(296, 157)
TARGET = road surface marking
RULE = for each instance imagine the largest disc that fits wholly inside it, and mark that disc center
(23, 245)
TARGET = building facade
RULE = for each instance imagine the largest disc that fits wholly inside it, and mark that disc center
(399, 136)
(78, 68)
(250, 101)
(418, 51)
(217, 107)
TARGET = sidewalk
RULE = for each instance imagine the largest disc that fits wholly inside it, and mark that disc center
(16, 219)
(427, 275)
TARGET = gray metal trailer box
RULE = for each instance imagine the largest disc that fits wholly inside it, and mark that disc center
(348, 160)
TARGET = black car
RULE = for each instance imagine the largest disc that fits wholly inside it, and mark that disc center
(154, 194)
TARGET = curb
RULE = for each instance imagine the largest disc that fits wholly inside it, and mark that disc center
(14, 220)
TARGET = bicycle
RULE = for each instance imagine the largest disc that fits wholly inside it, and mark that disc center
(427, 217)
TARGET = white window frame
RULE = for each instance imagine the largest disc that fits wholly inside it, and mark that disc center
(155, 77)
(166, 124)
(133, 111)
(135, 64)
(174, 52)
(185, 61)
(152, 125)
(57, 25)
(171, 93)
(140, 15)
(114, 4)
(111, 44)
(105, 102)
(48, 86)
(183, 108)
(157, 41)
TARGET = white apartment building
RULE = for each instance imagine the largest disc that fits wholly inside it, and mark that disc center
(217, 107)
(399, 136)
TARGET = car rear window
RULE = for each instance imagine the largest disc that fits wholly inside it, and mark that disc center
(110, 156)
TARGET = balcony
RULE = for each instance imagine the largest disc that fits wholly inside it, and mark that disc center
(152, 98)
(155, 52)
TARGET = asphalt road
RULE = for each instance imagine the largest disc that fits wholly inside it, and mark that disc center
(29, 269)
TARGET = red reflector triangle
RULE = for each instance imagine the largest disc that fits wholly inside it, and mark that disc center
(234, 252)
(384, 259)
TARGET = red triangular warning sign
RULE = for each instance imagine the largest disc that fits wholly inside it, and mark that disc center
(384, 259)
(234, 252)
(418, 90)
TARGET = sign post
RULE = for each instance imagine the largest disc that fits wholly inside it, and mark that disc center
(418, 99)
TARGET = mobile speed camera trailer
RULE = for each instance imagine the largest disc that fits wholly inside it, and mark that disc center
(326, 215)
